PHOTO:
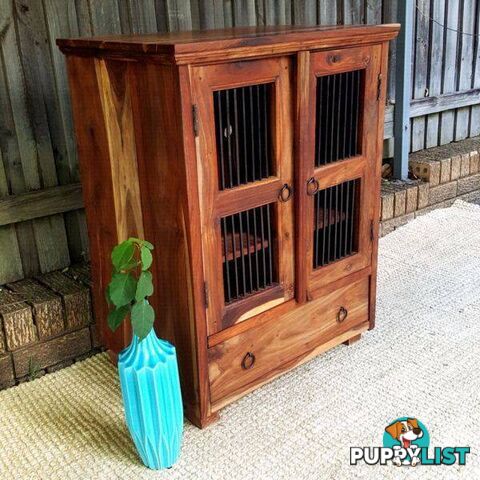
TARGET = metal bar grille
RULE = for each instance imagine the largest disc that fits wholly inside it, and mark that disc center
(248, 252)
(338, 117)
(243, 129)
(335, 232)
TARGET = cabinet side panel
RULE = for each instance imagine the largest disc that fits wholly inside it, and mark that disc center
(168, 219)
(103, 125)
(377, 182)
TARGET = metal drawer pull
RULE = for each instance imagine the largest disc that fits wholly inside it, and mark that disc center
(342, 314)
(312, 186)
(248, 361)
(285, 193)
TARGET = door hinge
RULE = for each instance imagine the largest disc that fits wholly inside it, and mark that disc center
(205, 294)
(195, 119)
(379, 86)
(372, 231)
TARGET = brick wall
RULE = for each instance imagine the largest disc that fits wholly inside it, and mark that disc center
(443, 175)
(46, 323)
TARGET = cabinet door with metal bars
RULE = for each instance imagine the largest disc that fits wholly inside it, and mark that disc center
(337, 171)
(243, 134)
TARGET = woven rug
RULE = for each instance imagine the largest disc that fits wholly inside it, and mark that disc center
(422, 360)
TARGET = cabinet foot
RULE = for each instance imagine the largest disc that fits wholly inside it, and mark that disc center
(200, 422)
(113, 356)
(353, 340)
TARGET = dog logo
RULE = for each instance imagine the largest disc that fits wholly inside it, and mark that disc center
(406, 441)
(407, 432)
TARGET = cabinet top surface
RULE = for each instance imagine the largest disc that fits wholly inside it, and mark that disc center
(182, 44)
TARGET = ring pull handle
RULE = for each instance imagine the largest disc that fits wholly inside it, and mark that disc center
(342, 314)
(248, 361)
(285, 193)
(312, 186)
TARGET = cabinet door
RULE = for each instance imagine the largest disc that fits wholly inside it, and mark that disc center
(244, 161)
(337, 117)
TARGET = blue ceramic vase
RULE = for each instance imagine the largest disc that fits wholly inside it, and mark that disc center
(152, 399)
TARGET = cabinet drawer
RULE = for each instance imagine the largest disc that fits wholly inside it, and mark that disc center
(243, 360)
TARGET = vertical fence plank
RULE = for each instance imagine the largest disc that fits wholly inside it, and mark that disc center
(46, 126)
(179, 15)
(61, 20)
(137, 16)
(420, 72)
(449, 67)
(227, 14)
(305, 12)
(352, 12)
(105, 17)
(373, 11)
(244, 13)
(475, 115)
(24, 81)
(83, 18)
(435, 73)
(195, 13)
(390, 16)
(161, 15)
(465, 64)
(13, 164)
(206, 11)
(275, 12)
(327, 12)
(10, 261)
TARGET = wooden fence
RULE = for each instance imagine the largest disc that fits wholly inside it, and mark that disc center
(42, 224)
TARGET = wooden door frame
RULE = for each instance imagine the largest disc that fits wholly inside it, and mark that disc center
(310, 66)
(216, 203)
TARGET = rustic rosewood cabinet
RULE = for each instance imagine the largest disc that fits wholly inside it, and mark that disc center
(251, 159)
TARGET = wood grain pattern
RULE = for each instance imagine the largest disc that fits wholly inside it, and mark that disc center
(376, 172)
(17, 319)
(150, 170)
(216, 204)
(172, 222)
(46, 305)
(245, 42)
(361, 167)
(99, 166)
(286, 338)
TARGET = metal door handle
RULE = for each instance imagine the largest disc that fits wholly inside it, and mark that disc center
(312, 186)
(248, 361)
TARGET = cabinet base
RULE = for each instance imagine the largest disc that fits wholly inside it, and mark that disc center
(281, 369)
(201, 422)
(353, 340)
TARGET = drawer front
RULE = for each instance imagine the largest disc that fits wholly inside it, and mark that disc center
(247, 357)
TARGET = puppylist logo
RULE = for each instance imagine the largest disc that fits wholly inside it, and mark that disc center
(406, 442)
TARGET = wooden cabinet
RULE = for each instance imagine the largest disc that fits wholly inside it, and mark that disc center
(251, 159)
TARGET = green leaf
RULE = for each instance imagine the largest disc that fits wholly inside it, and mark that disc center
(147, 258)
(116, 317)
(142, 243)
(142, 318)
(144, 286)
(122, 254)
(122, 289)
(147, 244)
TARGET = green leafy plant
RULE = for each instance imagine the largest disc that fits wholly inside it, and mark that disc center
(33, 369)
(130, 286)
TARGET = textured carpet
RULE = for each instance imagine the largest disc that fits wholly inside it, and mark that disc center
(422, 360)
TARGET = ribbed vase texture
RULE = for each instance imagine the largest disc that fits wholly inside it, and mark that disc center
(152, 399)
